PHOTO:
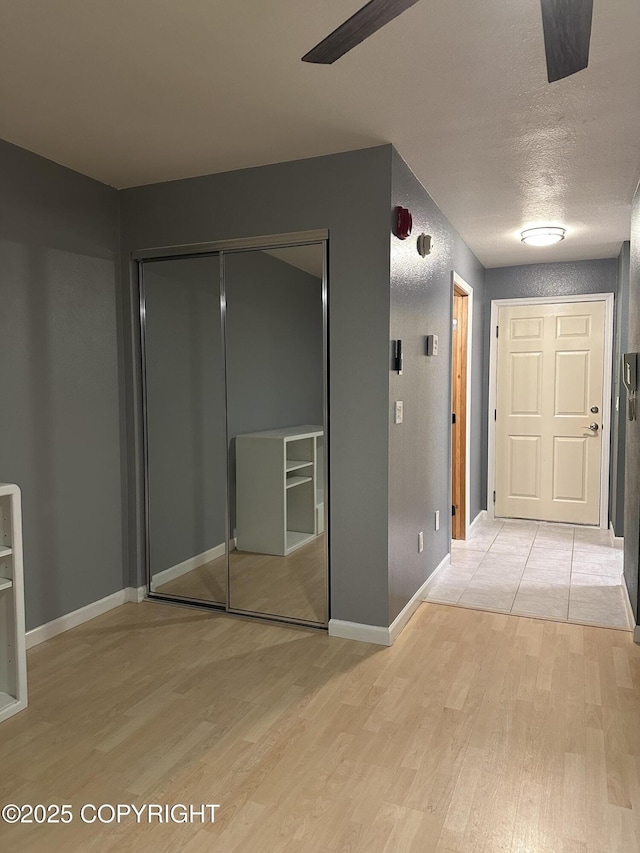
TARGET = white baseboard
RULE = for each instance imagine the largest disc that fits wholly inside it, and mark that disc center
(359, 631)
(378, 633)
(444, 562)
(71, 620)
(618, 541)
(64, 623)
(627, 604)
(189, 565)
(136, 594)
(481, 516)
(416, 600)
(128, 595)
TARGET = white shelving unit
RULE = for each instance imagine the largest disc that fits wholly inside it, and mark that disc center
(278, 484)
(13, 655)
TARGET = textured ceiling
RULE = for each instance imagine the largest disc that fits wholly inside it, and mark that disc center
(133, 91)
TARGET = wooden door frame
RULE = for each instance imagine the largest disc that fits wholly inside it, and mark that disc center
(461, 284)
(496, 304)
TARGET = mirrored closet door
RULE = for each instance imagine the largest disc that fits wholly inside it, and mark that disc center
(234, 387)
(275, 412)
(186, 470)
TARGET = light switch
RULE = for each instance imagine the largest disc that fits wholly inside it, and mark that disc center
(432, 345)
(398, 412)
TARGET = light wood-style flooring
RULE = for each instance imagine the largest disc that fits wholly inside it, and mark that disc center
(293, 586)
(475, 732)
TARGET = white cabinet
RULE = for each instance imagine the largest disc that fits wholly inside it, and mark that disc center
(279, 489)
(13, 656)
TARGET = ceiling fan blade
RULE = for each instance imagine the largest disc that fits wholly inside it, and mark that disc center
(567, 32)
(360, 26)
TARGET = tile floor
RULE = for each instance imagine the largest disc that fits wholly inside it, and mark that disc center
(530, 568)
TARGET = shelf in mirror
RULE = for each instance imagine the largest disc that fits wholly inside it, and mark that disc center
(5, 583)
(297, 481)
(294, 464)
(5, 551)
(295, 539)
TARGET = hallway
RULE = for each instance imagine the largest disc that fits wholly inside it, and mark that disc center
(553, 571)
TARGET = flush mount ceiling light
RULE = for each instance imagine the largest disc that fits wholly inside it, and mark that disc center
(543, 236)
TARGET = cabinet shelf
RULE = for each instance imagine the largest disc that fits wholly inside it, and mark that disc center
(294, 464)
(297, 481)
(13, 657)
(295, 539)
(273, 516)
(6, 701)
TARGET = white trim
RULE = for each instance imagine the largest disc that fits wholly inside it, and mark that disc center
(134, 595)
(491, 404)
(481, 516)
(189, 565)
(618, 541)
(78, 617)
(627, 604)
(359, 631)
(444, 562)
(378, 634)
(415, 601)
(496, 304)
(462, 284)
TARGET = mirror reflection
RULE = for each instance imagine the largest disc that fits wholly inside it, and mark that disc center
(185, 428)
(275, 400)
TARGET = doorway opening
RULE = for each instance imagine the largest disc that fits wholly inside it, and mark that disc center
(550, 371)
(462, 324)
(558, 568)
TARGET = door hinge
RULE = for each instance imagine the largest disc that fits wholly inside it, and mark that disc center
(453, 417)
(495, 414)
(497, 331)
(494, 497)
(453, 509)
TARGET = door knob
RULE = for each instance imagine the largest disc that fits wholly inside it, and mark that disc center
(593, 427)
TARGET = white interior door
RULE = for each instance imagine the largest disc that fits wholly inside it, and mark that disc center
(549, 411)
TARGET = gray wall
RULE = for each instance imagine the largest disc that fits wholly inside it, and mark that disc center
(561, 279)
(619, 424)
(60, 412)
(185, 409)
(632, 480)
(350, 195)
(419, 448)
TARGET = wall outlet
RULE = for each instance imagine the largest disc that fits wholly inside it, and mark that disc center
(398, 411)
(420, 542)
(437, 521)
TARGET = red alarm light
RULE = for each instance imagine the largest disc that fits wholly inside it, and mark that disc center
(404, 223)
